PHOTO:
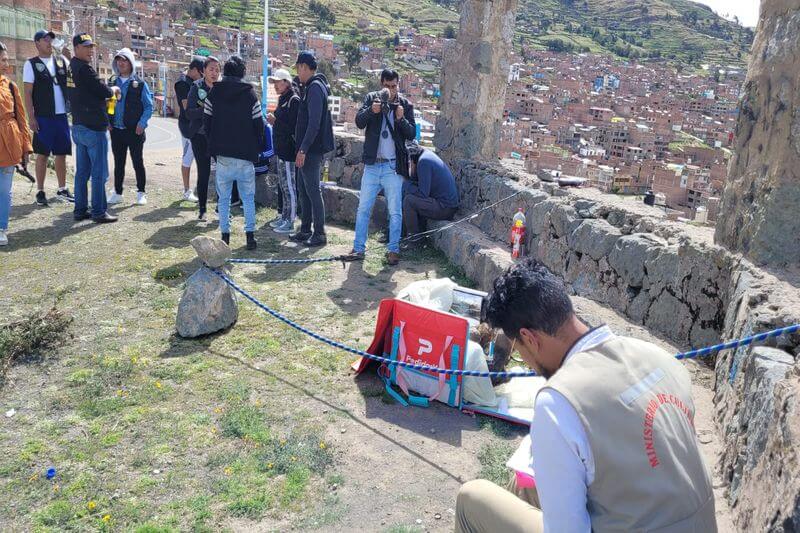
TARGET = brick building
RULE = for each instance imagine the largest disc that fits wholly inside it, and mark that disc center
(19, 20)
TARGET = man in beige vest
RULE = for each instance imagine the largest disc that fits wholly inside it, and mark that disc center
(613, 446)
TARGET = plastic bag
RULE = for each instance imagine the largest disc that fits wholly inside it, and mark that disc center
(474, 389)
(431, 293)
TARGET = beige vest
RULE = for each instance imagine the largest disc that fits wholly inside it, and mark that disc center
(635, 402)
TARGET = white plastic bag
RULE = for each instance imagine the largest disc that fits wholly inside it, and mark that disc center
(434, 294)
(474, 389)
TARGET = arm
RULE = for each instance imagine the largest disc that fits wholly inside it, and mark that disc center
(406, 125)
(294, 107)
(258, 120)
(365, 114)
(147, 104)
(91, 82)
(424, 176)
(562, 464)
(23, 125)
(315, 105)
(181, 93)
(193, 110)
(208, 114)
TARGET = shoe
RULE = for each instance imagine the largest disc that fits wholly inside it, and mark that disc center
(41, 199)
(252, 244)
(114, 198)
(316, 240)
(226, 238)
(277, 221)
(357, 256)
(3, 238)
(141, 198)
(188, 196)
(286, 227)
(392, 258)
(202, 216)
(65, 196)
(300, 236)
(81, 216)
(105, 218)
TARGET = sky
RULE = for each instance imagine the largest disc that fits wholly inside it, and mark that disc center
(746, 10)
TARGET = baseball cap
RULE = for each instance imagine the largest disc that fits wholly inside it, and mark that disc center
(82, 39)
(307, 58)
(280, 74)
(41, 34)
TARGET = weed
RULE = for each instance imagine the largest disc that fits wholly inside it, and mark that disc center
(286, 454)
(295, 484)
(57, 514)
(500, 428)
(31, 336)
(404, 529)
(244, 422)
(168, 273)
(492, 458)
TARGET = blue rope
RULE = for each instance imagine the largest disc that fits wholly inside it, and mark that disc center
(290, 261)
(475, 373)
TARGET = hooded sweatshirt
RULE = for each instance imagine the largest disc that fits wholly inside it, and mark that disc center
(314, 133)
(135, 106)
(233, 121)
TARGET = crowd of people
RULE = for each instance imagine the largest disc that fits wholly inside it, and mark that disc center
(225, 134)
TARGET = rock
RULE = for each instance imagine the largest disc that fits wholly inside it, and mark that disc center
(629, 254)
(208, 305)
(213, 252)
(595, 238)
(670, 315)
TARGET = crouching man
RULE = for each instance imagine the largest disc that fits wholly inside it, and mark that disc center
(613, 441)
(431, 193)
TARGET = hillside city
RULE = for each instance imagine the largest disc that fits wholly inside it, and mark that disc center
(583, 119)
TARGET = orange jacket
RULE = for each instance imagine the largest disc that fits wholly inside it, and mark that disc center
(15, 137)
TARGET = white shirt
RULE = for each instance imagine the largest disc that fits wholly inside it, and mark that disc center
(58, 93)
(561, 457)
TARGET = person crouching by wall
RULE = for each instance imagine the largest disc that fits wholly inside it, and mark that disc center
(234, 125)
(15, 139)
(128, 123)
(430, 194)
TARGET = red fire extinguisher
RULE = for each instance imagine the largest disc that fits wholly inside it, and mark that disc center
(518, 234)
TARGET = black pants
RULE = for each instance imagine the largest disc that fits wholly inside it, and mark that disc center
(416, 208)
(203, 160)
(123, 141)
(312, 208)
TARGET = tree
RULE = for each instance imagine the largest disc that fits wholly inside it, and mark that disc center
(352, 54)
(449, 32)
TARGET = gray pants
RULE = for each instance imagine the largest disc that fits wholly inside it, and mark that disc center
(416, 208)
(286, 174)
(312, 208)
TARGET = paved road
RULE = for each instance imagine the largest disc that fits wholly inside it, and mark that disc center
(163, 134)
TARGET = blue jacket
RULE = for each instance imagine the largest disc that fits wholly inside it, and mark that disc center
(147, 102)
(262, 166)
(434, 180)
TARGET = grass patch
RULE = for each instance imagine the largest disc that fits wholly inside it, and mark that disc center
(492, 458)
(168, 273)
(244, 422)
(31, 336)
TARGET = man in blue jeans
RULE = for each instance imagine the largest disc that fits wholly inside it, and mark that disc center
(89, 124)
(234, 125)
(389, 122)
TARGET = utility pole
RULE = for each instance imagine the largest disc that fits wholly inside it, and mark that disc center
(265, 60)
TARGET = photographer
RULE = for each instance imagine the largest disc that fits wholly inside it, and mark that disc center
(431, 194)
(389, 122)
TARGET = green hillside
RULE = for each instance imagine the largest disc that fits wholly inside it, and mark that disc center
(679, 30)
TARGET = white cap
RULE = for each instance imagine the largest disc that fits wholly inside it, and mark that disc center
(280, 74)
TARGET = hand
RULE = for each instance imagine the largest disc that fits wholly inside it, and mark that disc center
(66, 53)
(110, 128)
(271, 119)
(377, 107)
(139, 130)
(399, 112)
(34, 124)
(117, 92)
(301, 160)
(24, 162)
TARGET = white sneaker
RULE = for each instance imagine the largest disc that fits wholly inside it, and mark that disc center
(141, 198)
(115, 198)
(3, 237)
(189, 196)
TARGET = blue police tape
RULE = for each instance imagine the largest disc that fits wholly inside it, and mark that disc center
(475, 373)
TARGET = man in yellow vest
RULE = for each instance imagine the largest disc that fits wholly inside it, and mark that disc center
(613, 445)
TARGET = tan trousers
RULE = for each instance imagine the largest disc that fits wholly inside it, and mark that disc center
(483, 507)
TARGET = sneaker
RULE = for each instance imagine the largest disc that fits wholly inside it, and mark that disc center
(316, 240)
(188, 196)
(114, 198)
(300, 236)
(392, 258)
(356, 256)
(226, 238)
(65, 196)
(41, 199)
(202, 216)
(86, 215)
(105, 218)
(251, 240)
(277, 221)
(3, 238)
(141, 198)
(286, 227)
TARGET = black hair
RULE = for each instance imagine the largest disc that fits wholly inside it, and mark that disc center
(199, 63)
(415, 151)
(529, 296)
(208, 60)
(235, 67)
(388, 74)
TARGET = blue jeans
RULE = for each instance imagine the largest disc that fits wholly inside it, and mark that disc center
(6, 176)
(91, 162)
(230, 170)
(376, 177)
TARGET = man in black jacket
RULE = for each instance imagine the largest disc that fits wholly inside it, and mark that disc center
(234, 125)
(284, 122)
(314, 136)
(89, 124)
(389, 122)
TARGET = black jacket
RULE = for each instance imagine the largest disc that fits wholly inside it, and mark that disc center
(182, 88)
(194, 107)
(314, 132)
(233, 121)
(404, 129)
(88, 98)
(285, 125)
(43, 93)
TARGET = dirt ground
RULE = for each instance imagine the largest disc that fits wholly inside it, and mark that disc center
(258, 428)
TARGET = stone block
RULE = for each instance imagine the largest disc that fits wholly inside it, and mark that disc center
(596, 238)
(213, 252)
(208, 305)
(670, 316)
(629, 254)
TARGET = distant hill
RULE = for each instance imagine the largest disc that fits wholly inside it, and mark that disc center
(680, 30)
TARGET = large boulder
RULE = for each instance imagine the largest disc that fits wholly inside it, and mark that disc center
(212, 252)
(208, 305)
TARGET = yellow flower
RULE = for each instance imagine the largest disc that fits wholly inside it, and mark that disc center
(213, 430)
(134, 360)
(228, 471)
(119, 392)
(91, 505)
(106, 518)
(158, 384)
(56, 488)
(258, 403)
(322, 446)
(269, 466)
(294, 458)
(217, 410)
(283, 442)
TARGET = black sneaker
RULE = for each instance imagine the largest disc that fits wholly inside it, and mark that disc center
(105, 218)
(65, 196)
(251, 240)
(300, 236)
(318, 239)
(41, 199)
(226, 238)
(82, 216)
(202, 216)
